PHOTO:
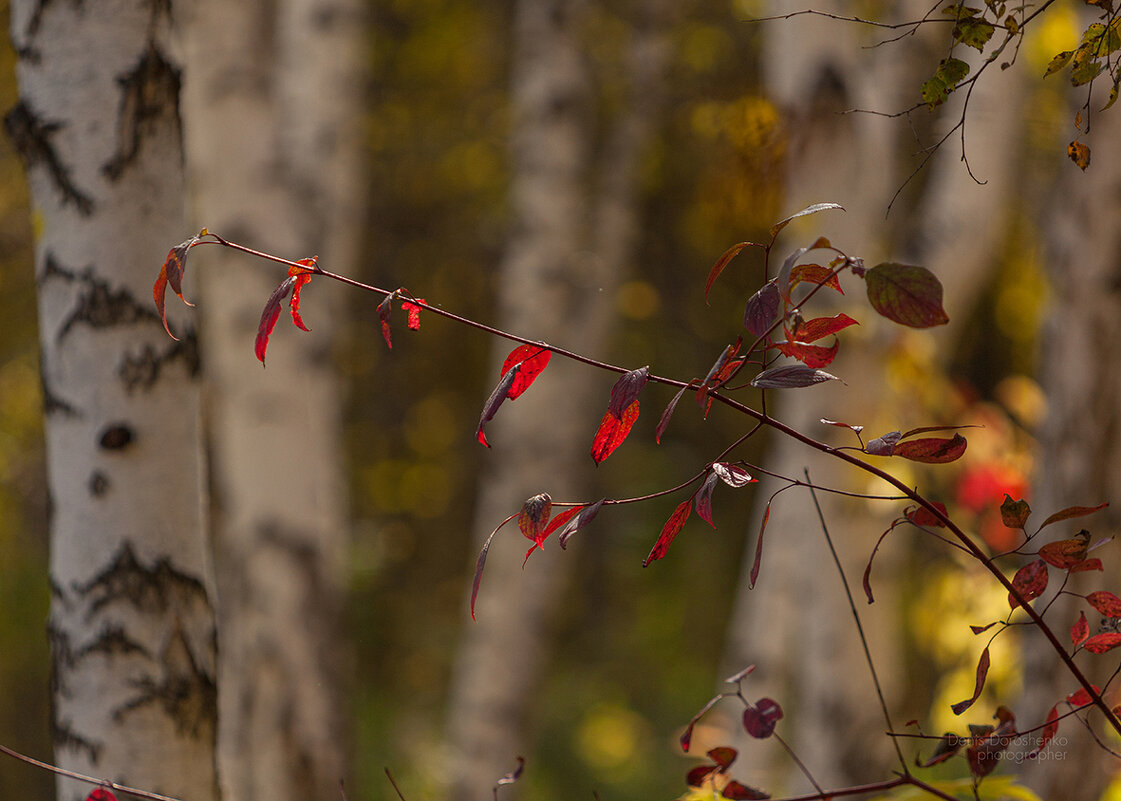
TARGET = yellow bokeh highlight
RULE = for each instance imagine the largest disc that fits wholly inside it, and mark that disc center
(1057, 30)
(639, 300)
(609, 738)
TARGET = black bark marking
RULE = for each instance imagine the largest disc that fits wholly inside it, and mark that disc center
(186, 693)
(100, 306)
(115, 437)
(112, 641)
(32, 138)
(141, 370)
(152, 590)
(53, 404)
(98, 484)
(65, 737)
(149, 100)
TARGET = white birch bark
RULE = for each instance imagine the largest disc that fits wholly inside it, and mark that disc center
(272, 103)
(132, 618)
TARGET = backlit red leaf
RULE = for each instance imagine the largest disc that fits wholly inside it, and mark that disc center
(269, 315)
(1080, 630)
(384, 308)
(294, 303)
(818, 327)
(921, 516)
(762, 308)
(810, 355)
(1073, 511)
(703, 498)
(626, 390)
(1105, 602)
(932, 450)
(534, 518)
(413, 311)
(1080, 697)
(906, 294)
(670, 530)
(1030, 580)
(1087, 565)
(814, 209)
(1014, 513)
(741, 792)
(667, 413)
(714, 376)
(791, 376)
(1064, 553)
(101, 794)
(723, 262)
(1048, 733)
(815, 274)
(612, 431)
(530, 360)
(982, 672)
(569, 526)
(1100, 643)
(760, 718)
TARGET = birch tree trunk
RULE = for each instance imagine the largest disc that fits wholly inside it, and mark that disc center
(132, 613)
(1080, 439)
(811, 658)
(272, 107)
(557, 281)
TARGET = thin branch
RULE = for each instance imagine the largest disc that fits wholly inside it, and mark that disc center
(70, 774)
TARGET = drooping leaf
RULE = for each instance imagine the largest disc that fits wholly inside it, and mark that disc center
(906, 294)
(1050, 729)
(481, 562)
(490, 408)
(790, 376)
(1080, 630)
(530, 360)
(762, 308)
(937, 88)
(1064, 554)
(670, 530)
(1072, 512)
(697, 776)
(982, 629)
(884, 445)
(413, 310)
(713, 379)
(1105, 602)
(1079, 153)
(814, 209)
(723, 262)
(612, 431)
(302, 277)
(815, 274)
(534, 518)
(809, 355)
(667, 413)
(384, 309)
(687, 735)
(921, 516)
(269, 315)
(759, 719)
(949, 745)
(741, 792)
(1100, 643)
(1030, 580)
(1084, 69)
(703, 498)
(932, 450)
(759, 546)
(171, 273)
(627, 389)
(982, 672)
(1014, 513)
(570, 526)
(732, 475)
(818, 327)
(782, 280)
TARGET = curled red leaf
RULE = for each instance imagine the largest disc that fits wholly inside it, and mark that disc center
(490, 408)
(759, 719)
(384, 309)
(626, 390)
(982, 672)
(982, 629)
(1065, 554)
(921, 516)
(302, 277)
(723, 756)
(612, 431)
(698, 775)
(269, 315)
(687, 735)
(1030, 580)
(818, 327)
(570, 525)
(534, 518)
(171, 273)
(530, 361)
(670, 530)
(413, 311)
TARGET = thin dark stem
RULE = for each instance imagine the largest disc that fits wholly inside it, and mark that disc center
(70, 774)
(801, 765)
(859, 624)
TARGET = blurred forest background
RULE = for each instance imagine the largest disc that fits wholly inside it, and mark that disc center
(691, 128)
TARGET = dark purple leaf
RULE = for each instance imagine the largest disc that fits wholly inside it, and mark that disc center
(883, 446)
(759, 719)
(667, 413)
(814, 209)
(585, 516)
(626, 389)
(269, 315)
(1030, 580)
(493, 402)
(982, 672)
(687, 735)
(703, 498)
(741, 792)
(759, 545)
(790, 376)
(762, 308)
(783, 279)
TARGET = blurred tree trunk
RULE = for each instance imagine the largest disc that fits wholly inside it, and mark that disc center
(273, 102)
(132, 613)
(810, 659)
(557, 282)
(1080, 439)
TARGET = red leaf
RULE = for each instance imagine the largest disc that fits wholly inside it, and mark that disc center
(759, 546)
(172, 273)
(414, 314)
(723, 756)
(302, 277)
(1080, 697)
(626, 390)
(815, 274)
(1049, 730)
(982, 672)
(810, 355)
(1073, 511)
(1086, 565)
(696, 777)
(570, 526)
(1030, 580)
(949, 745)
(669, 531)
(814, 209)
(982, 629)
(921, 516)
(906, 294)
(1064, 554)
(534, 518)
(612, 431)
(759, 720)
(530, 361)
(687, 735)
(741, 792)
(815, 329)
(714, 374)
(723, 261)
(933, 450)
(384, 308)
(703, 498)
(762, 308)
(1105, 602)
(733, 475)
(270, 315)
(791, 376)
(1100, 643)
(667, 413)
(1014, 513)
(490, 408)
(101, 794)
(1080, 630)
